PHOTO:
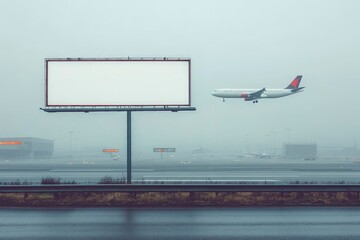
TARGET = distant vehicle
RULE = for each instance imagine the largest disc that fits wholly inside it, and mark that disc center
(255, 94)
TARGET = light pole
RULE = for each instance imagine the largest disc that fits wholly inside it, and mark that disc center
(275, 140)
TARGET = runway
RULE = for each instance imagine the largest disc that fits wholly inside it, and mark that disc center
(184, 169)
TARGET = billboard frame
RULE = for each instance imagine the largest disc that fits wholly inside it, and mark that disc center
(128, 59)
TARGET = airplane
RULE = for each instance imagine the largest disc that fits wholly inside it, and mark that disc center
(255, 94)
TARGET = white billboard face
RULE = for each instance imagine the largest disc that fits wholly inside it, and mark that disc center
(103, 82)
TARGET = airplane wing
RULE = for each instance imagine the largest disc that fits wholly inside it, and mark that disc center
(256, 95)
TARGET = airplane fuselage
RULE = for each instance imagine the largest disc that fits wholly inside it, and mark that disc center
(245, 93)
(255, 94)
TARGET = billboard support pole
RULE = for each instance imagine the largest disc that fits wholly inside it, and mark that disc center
(128, 110)
(128, 152)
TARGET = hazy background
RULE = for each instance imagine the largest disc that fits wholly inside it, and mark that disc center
(240, 44)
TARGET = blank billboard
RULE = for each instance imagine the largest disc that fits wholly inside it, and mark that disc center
(118, 82)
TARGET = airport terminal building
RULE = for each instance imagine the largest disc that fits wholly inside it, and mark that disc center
(300, 151)
(25, 147)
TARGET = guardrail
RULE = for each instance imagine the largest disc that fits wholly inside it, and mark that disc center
(133, 188)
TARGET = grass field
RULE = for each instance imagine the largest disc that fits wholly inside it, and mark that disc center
(181, 199)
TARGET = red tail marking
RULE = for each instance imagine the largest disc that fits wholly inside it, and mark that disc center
(295, 83)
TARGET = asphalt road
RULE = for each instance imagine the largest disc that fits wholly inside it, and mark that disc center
(293, 223)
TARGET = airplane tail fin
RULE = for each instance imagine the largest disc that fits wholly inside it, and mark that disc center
(295, 83)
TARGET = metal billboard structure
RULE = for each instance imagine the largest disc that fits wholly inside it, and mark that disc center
(118, 85)
(162, 150)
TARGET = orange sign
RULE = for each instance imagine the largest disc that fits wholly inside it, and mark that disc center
(10, 143)
(111, 150)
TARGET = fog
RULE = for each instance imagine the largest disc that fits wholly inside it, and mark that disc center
(232, 44)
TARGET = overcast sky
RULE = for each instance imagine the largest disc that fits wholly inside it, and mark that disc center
(240, 44)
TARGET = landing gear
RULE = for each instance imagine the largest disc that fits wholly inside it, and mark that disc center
(223, 99)
(255, 101)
